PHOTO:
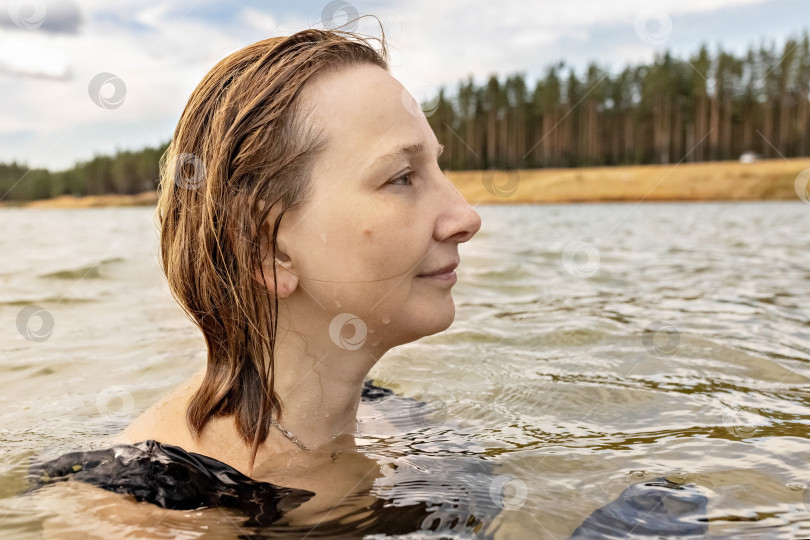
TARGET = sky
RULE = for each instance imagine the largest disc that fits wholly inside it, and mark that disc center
(80, 78)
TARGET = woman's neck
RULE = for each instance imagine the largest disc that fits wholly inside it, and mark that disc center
(319, 385)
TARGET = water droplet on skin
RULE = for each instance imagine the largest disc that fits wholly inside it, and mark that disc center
(386, 319)
(337, 304)
(323, 237)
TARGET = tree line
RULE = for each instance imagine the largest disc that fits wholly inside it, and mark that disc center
(125, 173)
(705, 107)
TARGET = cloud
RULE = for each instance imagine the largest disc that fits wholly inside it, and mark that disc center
(161, 50)
(62, 16)
(31, 56)
(448, 40)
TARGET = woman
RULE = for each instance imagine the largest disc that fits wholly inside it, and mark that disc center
(301, 199)
(306, 228)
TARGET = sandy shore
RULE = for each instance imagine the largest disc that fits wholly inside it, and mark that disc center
(147, 198)
(708, 181)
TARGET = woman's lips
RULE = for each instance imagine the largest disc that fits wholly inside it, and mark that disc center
(443, 270)
(445, 277)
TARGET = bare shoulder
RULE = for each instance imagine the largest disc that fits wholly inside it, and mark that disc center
(165, 421)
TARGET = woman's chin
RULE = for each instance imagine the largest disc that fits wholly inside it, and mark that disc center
(439, 318)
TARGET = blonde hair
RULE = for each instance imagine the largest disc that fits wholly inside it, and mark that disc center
(241, 147)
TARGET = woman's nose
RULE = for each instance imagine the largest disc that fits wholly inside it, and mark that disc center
(459, 221)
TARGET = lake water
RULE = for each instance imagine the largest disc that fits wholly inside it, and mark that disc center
(594, 347)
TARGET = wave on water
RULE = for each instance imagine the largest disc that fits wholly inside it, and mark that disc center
(48, 300)
(93, 271)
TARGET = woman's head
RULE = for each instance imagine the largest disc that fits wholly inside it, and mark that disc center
(375, 219)
(277, 208)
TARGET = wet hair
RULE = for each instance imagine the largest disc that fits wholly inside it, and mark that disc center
(243, 147)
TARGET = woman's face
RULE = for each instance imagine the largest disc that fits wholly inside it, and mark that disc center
(375, 222)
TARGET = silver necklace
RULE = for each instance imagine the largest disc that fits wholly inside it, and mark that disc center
(289, 435)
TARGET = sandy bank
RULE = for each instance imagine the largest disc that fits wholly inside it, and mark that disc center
(708, 181)
(147, 198)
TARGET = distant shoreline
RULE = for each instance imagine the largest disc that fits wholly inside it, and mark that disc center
(705, 181)
(147, 198)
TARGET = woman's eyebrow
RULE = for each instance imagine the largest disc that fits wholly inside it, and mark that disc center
(405, 150)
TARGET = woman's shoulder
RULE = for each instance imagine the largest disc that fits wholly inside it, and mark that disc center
(165, 420)
(155, 460)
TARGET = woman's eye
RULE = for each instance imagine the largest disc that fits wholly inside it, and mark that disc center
(406, 177)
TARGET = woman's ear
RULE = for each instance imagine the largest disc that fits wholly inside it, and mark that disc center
(286, 278)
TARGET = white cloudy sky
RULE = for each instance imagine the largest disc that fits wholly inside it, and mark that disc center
(161, 49)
